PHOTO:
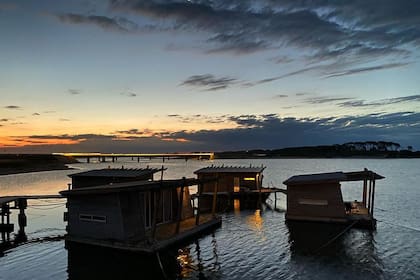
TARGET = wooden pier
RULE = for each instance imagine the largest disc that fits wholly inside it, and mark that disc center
(104, 157)
(8, 203)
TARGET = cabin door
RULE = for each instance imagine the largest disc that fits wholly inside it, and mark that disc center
(164, 209)
(236, 184)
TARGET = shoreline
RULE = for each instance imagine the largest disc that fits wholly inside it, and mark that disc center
(27, 163)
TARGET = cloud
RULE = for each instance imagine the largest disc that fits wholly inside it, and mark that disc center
(104, 22)
(4, 120)
(387, 101)
(209, 82)
(128, 94)
(8, 6)
(281, 96)
(269, 131)
(36, 114)
(64, 120)
(337, 30)
(365, 69)
(74, 91)
(322, 100)
(13, 107)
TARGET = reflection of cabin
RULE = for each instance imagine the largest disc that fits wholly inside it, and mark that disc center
(143, 216)
(235, 185)
(318, 197)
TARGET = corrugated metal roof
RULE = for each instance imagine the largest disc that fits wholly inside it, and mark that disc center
(332, 177)
(117, 172)
(230, 169)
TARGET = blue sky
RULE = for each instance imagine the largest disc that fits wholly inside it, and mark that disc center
(157, 75)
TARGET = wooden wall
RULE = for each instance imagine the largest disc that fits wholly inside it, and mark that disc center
(323, 192)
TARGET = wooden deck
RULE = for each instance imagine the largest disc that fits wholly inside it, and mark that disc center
(166, 236)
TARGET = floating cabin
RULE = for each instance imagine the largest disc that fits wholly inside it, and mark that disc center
(318, 197)
(125, 209)
(235, 187)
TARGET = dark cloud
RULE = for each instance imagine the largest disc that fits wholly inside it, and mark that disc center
(209, 82)
(267, 131)
(322, 100)
(388, 101)
(329, 29)
(4, 120)
(116, 23)
(134, 131)
(13, 107)
(36, 114)
(281, 96)
(64, 120)
(128, 94)
(74, 91)
(365, 69)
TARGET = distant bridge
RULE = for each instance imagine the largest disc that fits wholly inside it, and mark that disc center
(102, 157)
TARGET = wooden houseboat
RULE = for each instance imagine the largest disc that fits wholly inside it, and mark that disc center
(236, 187)
(141, 216)
(318, 198)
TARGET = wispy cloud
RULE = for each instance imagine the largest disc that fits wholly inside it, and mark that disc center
(13, 107)
(322, 100)
(128, 94)
(36, 114)
(365, 69)
(108, 23)
(74, 91)
(387, 101)
(209, 82)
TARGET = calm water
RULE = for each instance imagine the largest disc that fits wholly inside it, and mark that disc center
(250, 244)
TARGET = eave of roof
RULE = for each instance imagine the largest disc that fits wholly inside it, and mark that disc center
(230, 169)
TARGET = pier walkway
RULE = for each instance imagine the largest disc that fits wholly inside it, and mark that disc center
(102, 157)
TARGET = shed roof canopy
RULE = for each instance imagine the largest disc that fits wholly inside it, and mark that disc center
(230, 169)
(117, 172)
(333, 177)
(133, 186)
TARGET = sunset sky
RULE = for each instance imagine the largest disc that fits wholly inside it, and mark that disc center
(163, 76)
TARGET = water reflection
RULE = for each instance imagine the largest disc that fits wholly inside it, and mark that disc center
(93, 262)
(327, 244)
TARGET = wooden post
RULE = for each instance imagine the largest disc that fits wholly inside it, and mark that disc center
(156, 200)
(180, 203)
(197, 217)
(364, 192)
(373, 197)
(213, 211)
(259, 176)
(369, 196)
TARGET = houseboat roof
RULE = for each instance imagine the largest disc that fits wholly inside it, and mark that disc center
(333, 177)
(117, 172)
(132, 186)
(230, 169)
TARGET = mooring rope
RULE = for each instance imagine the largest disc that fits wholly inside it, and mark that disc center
(161, 265)
(335, 237)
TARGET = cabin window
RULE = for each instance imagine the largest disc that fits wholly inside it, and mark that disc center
(318, 202)
(92, 218)
(236, 186)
